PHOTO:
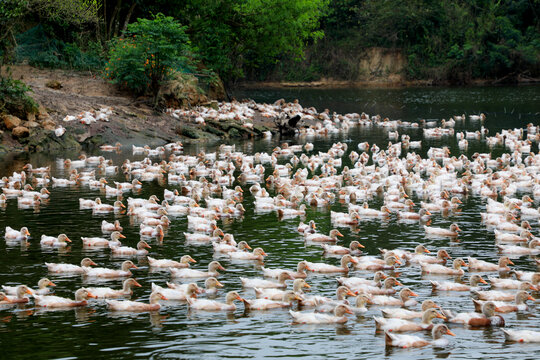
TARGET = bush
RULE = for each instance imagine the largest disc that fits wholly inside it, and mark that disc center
(13, 97)
(148, 54)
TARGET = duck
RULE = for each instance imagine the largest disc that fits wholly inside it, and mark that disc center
(227, 245)
(318, 318)
(440, 269)
(211, 286)
(307, 228)
(70, 268)
(353, 282)
(327, 268)
(126, 250)
(12, 234)
(150, 231)
(409, 314)
(49, 301)
(401, 325)
(418, 250)
(43, 288)
(521, 335)
(480, 265)
(388, 263)
(166, 263)
(265, 284)
(484, 319)
(136, 306)
(387, 287)
(300, 272)
(213, 305)
(317, 237)
(511, 283)
(204, 238)
(289, 213)
(106, 208)
(111, 273)
(19, 297)
(442, 256)
(403, 299)
(59, 241)
(497, 295)
(277, 294)
(177, 293)
(532, 249)
(288, 297)
(213, 268)
(411, 341)
(360, 304)
(453, 286)
(257, 254)
(102, 242)
(107, 293)
(107, 227)
(504, 307)
(326, 304)
(452, 231)
(523, 236)
(354, 248)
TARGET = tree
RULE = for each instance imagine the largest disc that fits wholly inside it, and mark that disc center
(149, 53)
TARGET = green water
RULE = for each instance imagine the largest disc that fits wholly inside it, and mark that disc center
(175, 332)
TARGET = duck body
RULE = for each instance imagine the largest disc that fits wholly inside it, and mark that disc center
(528, 336)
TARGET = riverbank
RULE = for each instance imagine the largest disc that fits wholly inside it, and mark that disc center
(63, 93)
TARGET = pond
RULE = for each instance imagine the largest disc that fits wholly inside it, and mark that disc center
(176, 332)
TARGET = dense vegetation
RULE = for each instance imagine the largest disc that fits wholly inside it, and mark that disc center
(448, 41)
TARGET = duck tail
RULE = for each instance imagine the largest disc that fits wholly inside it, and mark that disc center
(434, 284)
(247, 305)
(448, 314)
(477, 305)
(388, 338)
(507, 335)
(385, 314)
(475, 292)
(378, 322)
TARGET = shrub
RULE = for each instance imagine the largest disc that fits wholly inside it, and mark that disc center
(14, 98)
(148, 54)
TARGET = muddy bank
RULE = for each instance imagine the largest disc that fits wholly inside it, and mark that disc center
(61, 93)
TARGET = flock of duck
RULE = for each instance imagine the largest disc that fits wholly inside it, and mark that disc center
(207, 188)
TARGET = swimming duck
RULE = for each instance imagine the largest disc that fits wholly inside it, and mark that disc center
(450, 232)
(523, 236)
(440, 269)
(353, 282)
(70, 268)
(403, 300)
(49, 301)
(387, 287)
(300, 272)
(388, 264)
(102, 242)
(107, 227)
(12, 234)
(126, 250)
(166, 263)
(288, 297)
(264, 284)
(532, 249)
(177, 293)
(354, 248)
(442, 256)
(136, 306)
(511, 283)
(204, 238)
(59, 241)
(318, 318)
(106, 292)
(307, 228)
(327, 268)
(409, 341)
(212, 305)
(19, 297)
(225, 247)
(497, 295)
(213, 268)
(150, 231)
(326, 304)
(257, 254)
(401, 325)
(409, 314)
(521, 335)
(111, 273)
(277, 294)
(504, 307)
(317, 237)
(484, 319)
(480, 265)
(452, 286)
(360, 304)
(42, 289)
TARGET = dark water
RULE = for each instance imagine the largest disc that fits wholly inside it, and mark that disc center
(175, 332)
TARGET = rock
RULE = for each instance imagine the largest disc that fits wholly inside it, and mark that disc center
(53, 84)
(31, 116)
(42, 113)
(11, 121)
(31, 124)
(48, 125)
(20, 132)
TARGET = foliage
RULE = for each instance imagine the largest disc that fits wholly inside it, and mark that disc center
(148, 54)
(14, 98)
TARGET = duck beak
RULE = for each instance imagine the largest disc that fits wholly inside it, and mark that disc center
(339, 234)
(398, 283)
(51, 283)
(264, 254)
(163, 297)
(134, 266)
(147, 246)
(307, 286)
(440, 316)
(498, 309)
(221, 268)
(248, 247)
(90, 295)
(121, 236)
(136, 283)
(436, 306)
(531, 298)
(361, 246)
(28, 291)
(348, 311)
(398, 262)
(387, 210)
(239, 298)
(428, 213)
(27, 233)
(413, 293)
(354, 261)
(192, 260)
(510, 262)
(450, 333)
(218, 284)
(350, 293)
(483, 281)
(47, 191)
(68, 239)
(122, 205)
(93, 263)
(427, 251)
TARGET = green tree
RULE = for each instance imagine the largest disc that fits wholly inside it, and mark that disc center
(149, 53)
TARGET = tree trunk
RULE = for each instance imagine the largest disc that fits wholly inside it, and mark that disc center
(128, 16)
(113, 17)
